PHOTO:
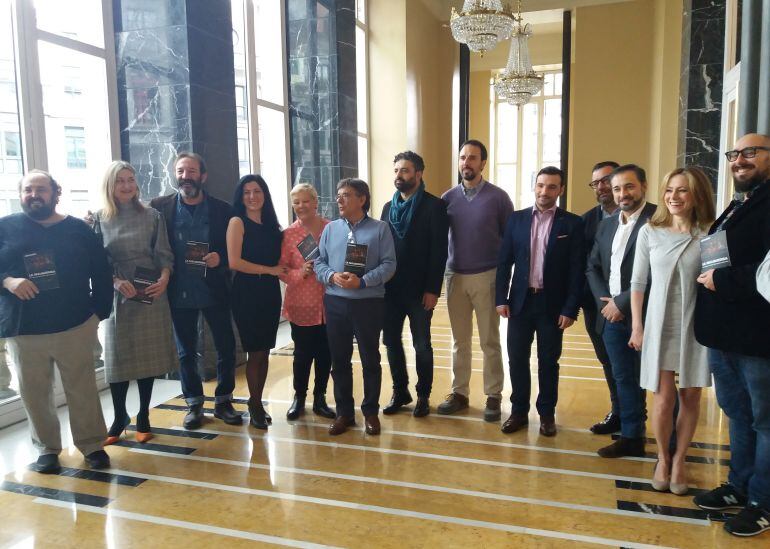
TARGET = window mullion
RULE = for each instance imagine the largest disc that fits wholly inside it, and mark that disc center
(251, 84)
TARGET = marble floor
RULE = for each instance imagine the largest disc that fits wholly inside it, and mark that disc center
(448, 481)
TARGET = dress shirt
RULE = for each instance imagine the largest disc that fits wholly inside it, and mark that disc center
(542, 221)
(619, 242)
(471, 192)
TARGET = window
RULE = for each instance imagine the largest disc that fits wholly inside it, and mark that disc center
(75, 145)
(362, 93)
(526, 139)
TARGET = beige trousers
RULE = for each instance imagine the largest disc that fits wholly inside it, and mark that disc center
(467, 294)
(73, 353)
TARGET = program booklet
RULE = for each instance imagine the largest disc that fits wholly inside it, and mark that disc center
(308, 248)
(41, 270)
(714, 252)
(143, 278)
(193, 258)
(355, 259)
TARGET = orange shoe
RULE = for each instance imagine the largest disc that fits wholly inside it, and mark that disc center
(111, 440)
(143, 437)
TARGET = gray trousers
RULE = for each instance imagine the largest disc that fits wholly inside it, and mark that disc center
(5, 371)
(72, 351)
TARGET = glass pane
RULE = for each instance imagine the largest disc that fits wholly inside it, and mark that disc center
(505, 178)
(272, 159)
(268, 56)
(77, 19)
(363, 159)
(529, 158)
(361, 10)
(552, 132)
(241, 99)
(548, 84)
(557, 84)
(362, 78)
(507, 132)
(76, 126)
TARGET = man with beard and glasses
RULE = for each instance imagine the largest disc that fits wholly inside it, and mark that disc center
(57, 286)
(419, 225)
(196, 223)
(609, 271)
(478, 212)
(606, 207)
(733, 320)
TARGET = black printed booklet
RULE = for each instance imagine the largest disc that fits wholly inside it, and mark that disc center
(355, 259)
(714, 252)
(143, 279)
(41, 270)
(308, 248)
(193, 257)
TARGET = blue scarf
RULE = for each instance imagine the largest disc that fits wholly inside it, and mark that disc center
(401, 211)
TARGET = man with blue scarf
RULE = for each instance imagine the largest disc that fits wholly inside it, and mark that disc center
(420, 227)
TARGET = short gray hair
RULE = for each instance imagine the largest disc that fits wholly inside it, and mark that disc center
(359, 186)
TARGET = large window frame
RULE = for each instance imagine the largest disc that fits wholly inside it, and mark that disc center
(362, 66)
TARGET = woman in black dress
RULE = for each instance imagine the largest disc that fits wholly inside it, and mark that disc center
(253, 249)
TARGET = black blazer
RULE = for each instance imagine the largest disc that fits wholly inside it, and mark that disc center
(598, 268)
(220, 212)
(421, 256)
(591, 220)
(563, 269)
(735, 318)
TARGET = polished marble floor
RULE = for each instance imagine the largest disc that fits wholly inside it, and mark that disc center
(440, 481)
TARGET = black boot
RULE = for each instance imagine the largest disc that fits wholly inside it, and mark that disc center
(194, 417)
(257, 417)
(297, 407)
(320, 408)
(228, 414)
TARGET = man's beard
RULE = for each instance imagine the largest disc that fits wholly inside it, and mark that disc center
(44, 211)
(632, 207)
(191, 193)
(749, 184)
(405, 185)
(471, 175)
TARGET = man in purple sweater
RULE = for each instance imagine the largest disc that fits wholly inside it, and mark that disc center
(478, 212)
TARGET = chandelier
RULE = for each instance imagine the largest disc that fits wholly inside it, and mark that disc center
(481, 24)
(518, 82)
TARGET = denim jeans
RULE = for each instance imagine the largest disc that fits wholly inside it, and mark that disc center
(397, 308)
(743, 391)
(186, 334)
(626, 365)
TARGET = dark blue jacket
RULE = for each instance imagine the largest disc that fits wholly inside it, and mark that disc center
(563, 270)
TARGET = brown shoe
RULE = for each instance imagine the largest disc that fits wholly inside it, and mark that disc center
(623, 447)
(547, 426)
(341, 425)
(492, 409)
(514, 423)
(454, 403)
(372, 424)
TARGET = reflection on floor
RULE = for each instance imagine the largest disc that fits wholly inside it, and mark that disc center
(450, 481)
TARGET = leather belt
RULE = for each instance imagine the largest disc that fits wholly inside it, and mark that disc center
(533, 291)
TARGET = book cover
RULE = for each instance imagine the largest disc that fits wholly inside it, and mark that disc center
(714, 253)
(143, 278)
(193, 257)
(41, 270)
(355, 259)
(308, 248)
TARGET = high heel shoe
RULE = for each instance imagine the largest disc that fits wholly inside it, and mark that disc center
(680, 489)
(143, 429)
(117, 428)
(660, 485)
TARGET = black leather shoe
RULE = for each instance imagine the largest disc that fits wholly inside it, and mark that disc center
(98, 460)
(296, 409)
(547, 426)
(396, 402)
(514, 423)
(422, 408)
(320, 408)
(623, 447)
(194, 417)
(610, 424)
(257, 416)
(46, 464)
(228, 414)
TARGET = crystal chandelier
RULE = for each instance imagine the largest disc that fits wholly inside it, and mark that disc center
(481, 24)
(518, 82)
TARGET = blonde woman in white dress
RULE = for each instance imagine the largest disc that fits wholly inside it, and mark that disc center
(668, 258)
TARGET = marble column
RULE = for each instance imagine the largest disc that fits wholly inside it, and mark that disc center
(701, 85)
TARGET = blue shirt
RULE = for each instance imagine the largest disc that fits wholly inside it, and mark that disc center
(380, 257)
(190, 290)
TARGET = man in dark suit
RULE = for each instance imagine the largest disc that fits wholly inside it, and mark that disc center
(609, 270)
(420, 228)
(606, 207)
(546, 245)
(192, 215)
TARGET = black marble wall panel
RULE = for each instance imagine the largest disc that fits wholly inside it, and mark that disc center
(702, 78)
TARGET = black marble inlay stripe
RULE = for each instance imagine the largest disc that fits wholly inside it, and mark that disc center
(178, 433)
(100, 476)
(698, 445)
(235, 400)
(650, 509)
(178, 408)
(646, 487)
(698, 459)
(157, 447)
(53, 493)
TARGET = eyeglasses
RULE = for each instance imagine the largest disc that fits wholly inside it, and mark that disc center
(605, 180)
(344, 196)
(748, 152)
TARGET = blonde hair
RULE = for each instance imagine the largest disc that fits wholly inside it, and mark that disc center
(110, 207)
(704, 210)
(304, 188)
